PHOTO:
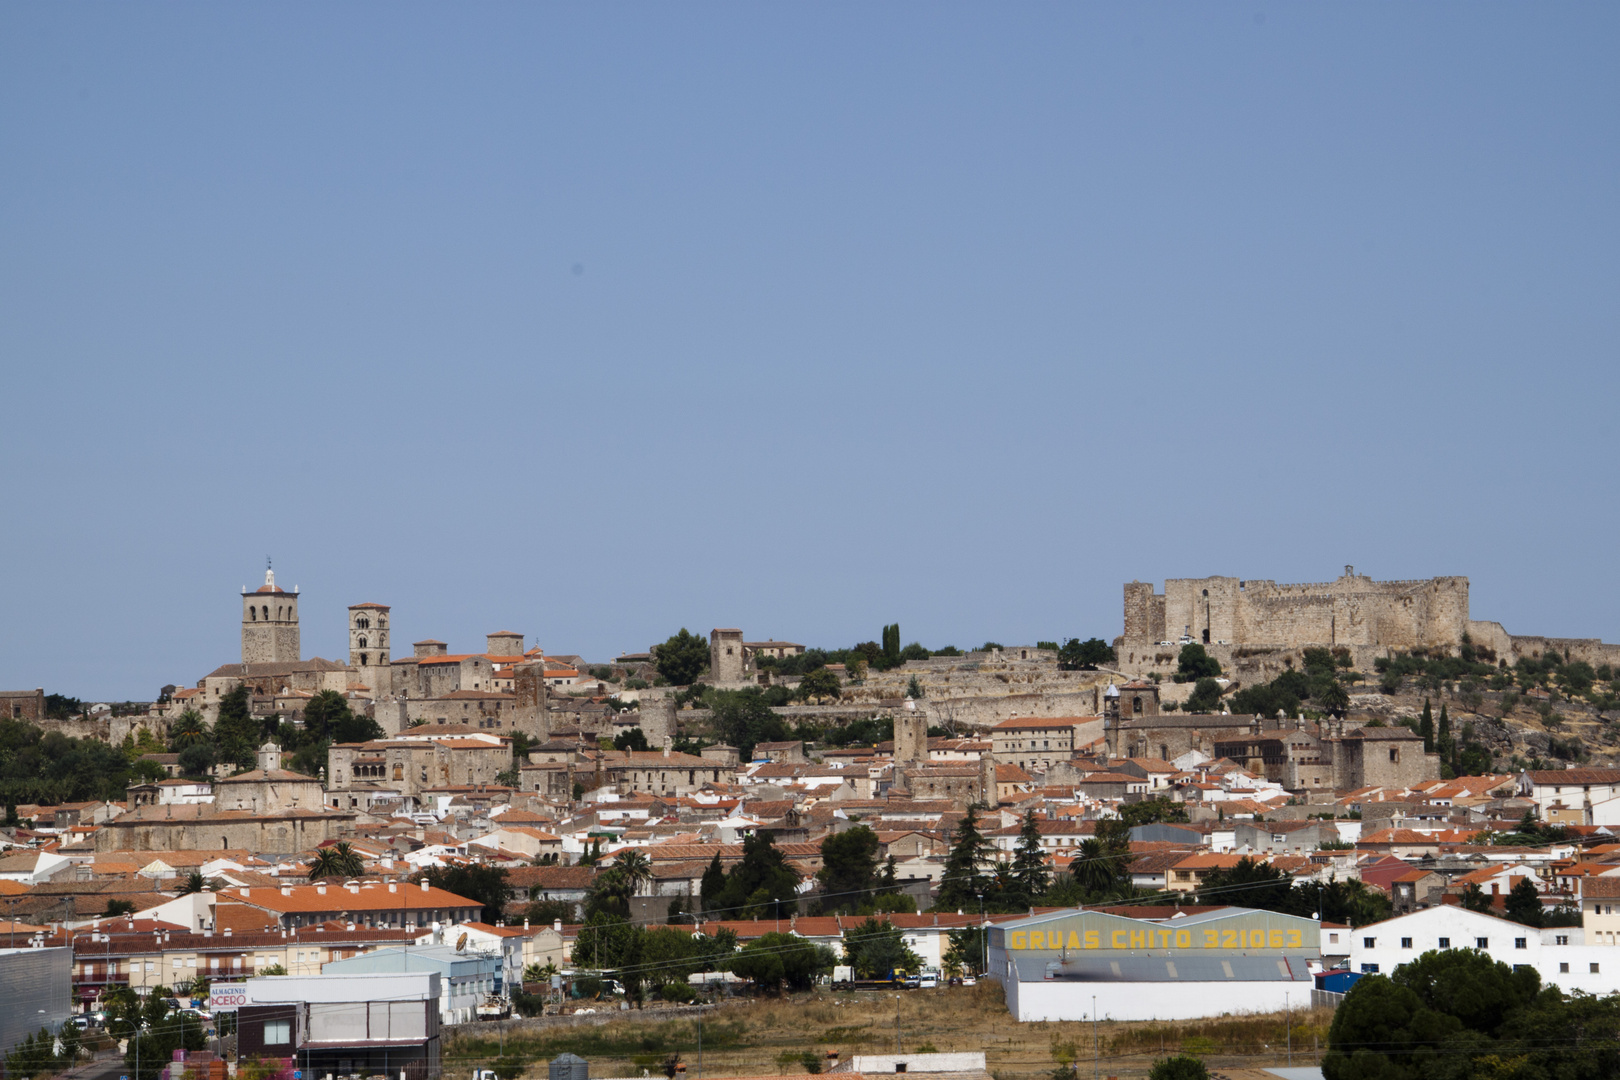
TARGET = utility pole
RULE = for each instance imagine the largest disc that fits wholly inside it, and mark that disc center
(1288, 1015)
(898, 1048)
(1096, 1046)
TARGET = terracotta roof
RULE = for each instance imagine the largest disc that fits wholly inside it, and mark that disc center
(367, 897)
(1601, 886)
(1574, 776)
(1019, 723)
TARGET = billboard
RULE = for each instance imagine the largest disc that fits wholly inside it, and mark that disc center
(227, 997)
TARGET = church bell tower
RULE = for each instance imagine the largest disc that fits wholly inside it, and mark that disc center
(270, 623)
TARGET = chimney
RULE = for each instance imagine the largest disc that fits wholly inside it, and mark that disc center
(245, 893)
(286, 890)
(392, 887)
(353, 888)
(557, 925)
(424, 886)
(320, 890)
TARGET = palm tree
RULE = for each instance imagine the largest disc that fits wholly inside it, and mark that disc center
(349, 861)
(194, 883)
(324, 864)
(187, 730)
(635, 867)
(338, 860)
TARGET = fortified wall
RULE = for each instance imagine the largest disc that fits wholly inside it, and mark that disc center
(1255, 627)
(1353, 610)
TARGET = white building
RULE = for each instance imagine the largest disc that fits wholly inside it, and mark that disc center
(1574, 796)
(1558, 953)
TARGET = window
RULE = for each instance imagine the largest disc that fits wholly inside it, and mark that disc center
(1445, 943)
(1563, 969)
(1521, 943)
(1594, 969)
(1333, 939)
(1562, 939)
(1406, 943)
(1482, 943)
(277, 1032)
(1368, 943)
(1369, 969)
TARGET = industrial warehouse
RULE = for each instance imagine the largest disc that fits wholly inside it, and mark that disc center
(1077, 965)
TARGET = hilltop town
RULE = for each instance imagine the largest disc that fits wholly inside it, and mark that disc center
(1268, 765)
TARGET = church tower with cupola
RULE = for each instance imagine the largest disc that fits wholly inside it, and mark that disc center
(270, 624)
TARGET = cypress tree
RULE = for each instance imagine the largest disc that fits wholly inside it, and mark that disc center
(1029, 864)
(1426, 728)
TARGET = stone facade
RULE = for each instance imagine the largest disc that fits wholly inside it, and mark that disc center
(910, 737)
(1353, 610)
(26, 705)
(270, 624)
(412, 763)
(1383, 757)
(726, 662)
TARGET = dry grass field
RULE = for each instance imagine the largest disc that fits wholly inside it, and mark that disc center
(771, 1036)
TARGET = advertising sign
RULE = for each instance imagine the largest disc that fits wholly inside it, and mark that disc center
(227, 997)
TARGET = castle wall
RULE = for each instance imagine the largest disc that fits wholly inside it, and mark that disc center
(1354, 610)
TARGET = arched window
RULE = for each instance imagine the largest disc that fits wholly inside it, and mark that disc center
(267, 613)
(362, 657)
(253, 613)
(362, 642)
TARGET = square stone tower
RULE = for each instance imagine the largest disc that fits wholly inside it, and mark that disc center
(270, 624)
(725, 656)
(368, 635)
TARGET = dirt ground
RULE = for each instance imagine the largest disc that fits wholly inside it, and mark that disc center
(773, 1036)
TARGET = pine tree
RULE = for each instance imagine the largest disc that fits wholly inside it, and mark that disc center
(1426, 728)
(962, 882)
(1029, 863)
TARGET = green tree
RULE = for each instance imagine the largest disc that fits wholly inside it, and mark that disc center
(633, 739)
(849, 866)
(1029, 866)
(682, 658)
(1249, 884)
(819, 683)
(877, 949)
(236, 733)
(1426, 728)
(475, 881)
(1206, 696)
(714, 881)
(1474, 898)
(966, 951)
(193, 882)
(187, 730)
(961, 880)
(775, 960)
(744, 718)
(1195, 663)
(1179, 1067)
(336, 860)
(1334, 697)
(1443, 741)
(1524, 903)
(1088, 655)
(890, 657)
(761, 885)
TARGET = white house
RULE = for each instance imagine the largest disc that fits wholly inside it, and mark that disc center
(1558, 953)
(1574, 796)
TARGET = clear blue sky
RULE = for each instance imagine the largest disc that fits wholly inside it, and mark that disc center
(592, 321)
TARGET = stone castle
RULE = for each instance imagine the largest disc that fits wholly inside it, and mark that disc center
(1250, 620)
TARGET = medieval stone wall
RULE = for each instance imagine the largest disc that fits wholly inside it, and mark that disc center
(1354, 610)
